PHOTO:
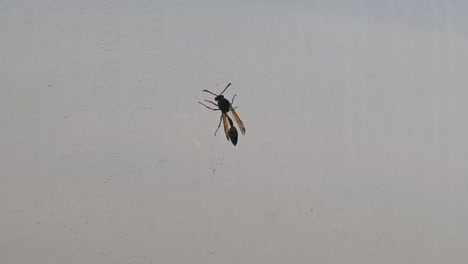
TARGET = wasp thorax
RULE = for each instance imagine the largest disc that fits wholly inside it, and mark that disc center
(223, 105)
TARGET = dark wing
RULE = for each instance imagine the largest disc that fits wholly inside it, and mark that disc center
(232, 132)
(226, 125)
(238, 120)
(233, 135)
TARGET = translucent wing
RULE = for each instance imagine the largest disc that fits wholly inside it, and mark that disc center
(226, 125)
(238, 120)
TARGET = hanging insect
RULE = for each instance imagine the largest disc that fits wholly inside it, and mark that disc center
(225, 106)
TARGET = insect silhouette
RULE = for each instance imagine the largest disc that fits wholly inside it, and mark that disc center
(225, 106)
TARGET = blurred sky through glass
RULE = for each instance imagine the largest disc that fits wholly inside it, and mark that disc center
(355, 150)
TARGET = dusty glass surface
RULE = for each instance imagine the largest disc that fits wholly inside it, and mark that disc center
(355, 150)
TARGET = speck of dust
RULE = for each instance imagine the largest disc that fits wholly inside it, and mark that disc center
(197, 143)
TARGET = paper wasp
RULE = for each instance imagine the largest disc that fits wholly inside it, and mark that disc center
(225, 106)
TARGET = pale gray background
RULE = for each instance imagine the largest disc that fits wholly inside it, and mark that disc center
(356, 147)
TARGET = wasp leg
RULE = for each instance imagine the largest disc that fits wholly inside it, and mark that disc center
(208, 107)
(232, 101)
(213, 103)
(219, 125)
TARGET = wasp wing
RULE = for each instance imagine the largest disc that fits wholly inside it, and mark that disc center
(238, 120)
(226, 125)
(232, 132)
(233, 135)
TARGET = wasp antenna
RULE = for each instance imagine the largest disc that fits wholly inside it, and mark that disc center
(210, 92)
(225, 89)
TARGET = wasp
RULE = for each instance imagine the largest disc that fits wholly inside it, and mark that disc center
(225, 106)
